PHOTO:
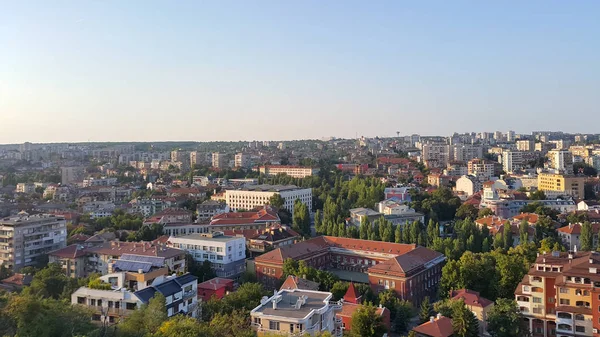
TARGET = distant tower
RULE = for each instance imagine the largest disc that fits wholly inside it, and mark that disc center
(397, 133)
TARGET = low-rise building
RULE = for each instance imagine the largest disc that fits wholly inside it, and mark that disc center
(438, 326)
(555, 184)
(296, 312)
(210, 208)
(570, 235)
(217, 287)
(227, 254)
(252, 196)
(479, 306)
(259, 219)
(291, 170)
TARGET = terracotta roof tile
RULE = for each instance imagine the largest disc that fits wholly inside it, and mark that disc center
(440, 327)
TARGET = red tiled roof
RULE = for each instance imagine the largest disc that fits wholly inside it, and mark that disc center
(490, 221)
(348, 310)
(173, 211)
(118, 248)
(576, 228)
(403, 264)
(215, 283)
(69, 252)
(470, 297)
(351, 295)
(440, 327)
(233, 218)
(530, 217)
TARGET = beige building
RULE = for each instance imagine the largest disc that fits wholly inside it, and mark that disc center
(290, 170)
(219, 160)
(253, 196)
(554, 184)
(25, 239)
(526, 145)
(560, 160)
(242, 160)
(296, 312)
(478, 305)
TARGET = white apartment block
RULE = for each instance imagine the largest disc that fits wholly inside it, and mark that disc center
(526, 145)
(435, 155)
(481, 168)
(242, 160)
(290, 170)
(561, 160)
(25, 239)
(227, 254)
(219, 160)
(296, 312)
(464, 153)
(512, 161)
(258, 195)
(99, 182)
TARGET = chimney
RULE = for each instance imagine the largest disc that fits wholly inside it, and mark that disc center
(431, 319)
(439, 316)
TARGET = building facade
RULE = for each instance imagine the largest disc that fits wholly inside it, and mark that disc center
(227, 254)
(290, 170)
(25, 239)
(253, 196)
(554, 184)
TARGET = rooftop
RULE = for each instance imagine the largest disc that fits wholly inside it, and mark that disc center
(269, 188)
(203, 237)
(25, 218)
(287, 305)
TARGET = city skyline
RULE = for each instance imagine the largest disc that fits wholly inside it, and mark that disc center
(110, 71)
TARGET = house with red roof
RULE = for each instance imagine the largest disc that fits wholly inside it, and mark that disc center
(259, 219)
(15, 282)
(295, 282)
(438, 326)
(217, 287)
(352, 302)
(571, 233)
(402, 268)
(480, 306)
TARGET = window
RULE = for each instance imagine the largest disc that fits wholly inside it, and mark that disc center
(551, 300)
(219, 249)
(130, 306)
(219, 257)
(229, 248)
(537, 300)
(274, 325)
(579, 328)
(564, 290)
(579, 317)
(565, 301)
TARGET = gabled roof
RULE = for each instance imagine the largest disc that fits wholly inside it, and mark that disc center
(70, 252)
(351, 296)
(440, 327)
(470, 297)
(295, 282)
(404, 264)
(265, 214)
(215, 283)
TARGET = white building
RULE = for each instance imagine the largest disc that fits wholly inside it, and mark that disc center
(468, 185)
(527, 145)
(512, 161)
(111, 306)
(25, 188)
(253, 196)
(99, 182)
(435, 155)
(26, 239)
(464, 153)
(227, 254)
(290, 170)
(296, 312)
(219, 160)
(561, 160)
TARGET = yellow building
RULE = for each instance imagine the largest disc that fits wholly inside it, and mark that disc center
(561, 184)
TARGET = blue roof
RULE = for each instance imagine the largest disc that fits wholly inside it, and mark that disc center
(168, 288)
(185, 279)
(145, 294)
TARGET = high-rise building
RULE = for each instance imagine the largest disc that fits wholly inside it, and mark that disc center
(464, 153)
(525, 145)
(219, 160)
(71, 174)
(561, 160)
(510, 136)
(26, 240)
(512, 161)
(482, 168)
(242, 160)
(435, 155)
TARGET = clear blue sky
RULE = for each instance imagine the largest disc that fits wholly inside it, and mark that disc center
(242, 70)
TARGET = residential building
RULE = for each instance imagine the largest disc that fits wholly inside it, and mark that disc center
(99, 181)
(295, 282)
(360, 214)
(71, 174)
(242, 160)
(463, 152)
(100, 257)
(25, 240)
(290, 170)
(272, 238)
(556, 184)
(71, 259)
(412, 272)
(210, 208)
(560, 160)
(252, 196)
(227, 254)
(482, 168)
(351, 303)
(468, 185)
(259, 219)
(296, 312)
(217, 287)
(526, 145)
(559, 296)
(179, 229)
(571, 233)
(219, 160)
(512, 161)
(402, 194)
(479, 306)
(147, 207)
(112, 306)
(435, 155)
(25, 188)
(438, 326)
(173, 215)
(438, 180)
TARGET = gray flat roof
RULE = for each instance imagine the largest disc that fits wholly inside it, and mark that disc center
(285, 307)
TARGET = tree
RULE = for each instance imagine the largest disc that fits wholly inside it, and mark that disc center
(318, 222)
(146, 320)
(203, 270)
(301, 218)
(507, 236)
(587, 237)
(523, 232)
(433, 231)
(467, 211)
(537, 195)
(398, 234)
(276, 201)
(426, 310)
(339, 289)
(484, 212)
(366, 322)
(50, 282)
(505, 320)
(464, 323)
(180, 326)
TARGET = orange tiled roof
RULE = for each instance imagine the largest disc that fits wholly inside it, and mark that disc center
(470, 297)
(440, 327)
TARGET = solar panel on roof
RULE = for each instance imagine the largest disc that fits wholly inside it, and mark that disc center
(125, 265)
(155, 261)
